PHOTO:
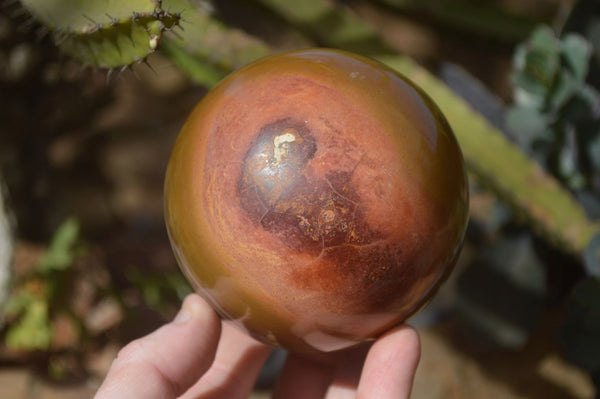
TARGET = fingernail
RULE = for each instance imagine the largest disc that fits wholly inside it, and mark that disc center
(183, 316)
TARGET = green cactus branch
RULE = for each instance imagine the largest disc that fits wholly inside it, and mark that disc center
(107, 33)
(81, 16)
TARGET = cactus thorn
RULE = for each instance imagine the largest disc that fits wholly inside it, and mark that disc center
(109, 73)
(177, 35)
(158, 14)
(113, 21)
(130, 68)
(135, 17)
(60, 37)
(181, 18)
(89, 19)
(145, 62)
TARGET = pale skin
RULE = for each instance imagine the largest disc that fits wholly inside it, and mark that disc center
(198, 356)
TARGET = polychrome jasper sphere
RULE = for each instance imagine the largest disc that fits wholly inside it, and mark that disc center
(317, 198)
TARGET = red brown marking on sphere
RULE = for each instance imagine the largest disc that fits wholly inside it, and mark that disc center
(305, 212)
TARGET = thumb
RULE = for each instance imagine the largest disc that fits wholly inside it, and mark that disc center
(165, 363)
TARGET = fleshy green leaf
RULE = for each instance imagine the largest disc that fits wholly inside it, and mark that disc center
(542, 59)
(527, 123)
(63, 249)
(576, 52)
(33, 330)
(537, 64)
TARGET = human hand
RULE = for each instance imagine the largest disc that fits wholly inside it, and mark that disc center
(198, 356)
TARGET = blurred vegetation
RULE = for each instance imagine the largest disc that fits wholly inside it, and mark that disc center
(531, 143)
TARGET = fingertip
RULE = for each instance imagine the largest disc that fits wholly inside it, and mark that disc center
(195, 307)
(404, 338)
(391, 364)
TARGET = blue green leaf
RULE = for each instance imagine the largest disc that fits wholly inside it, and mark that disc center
(576, 52)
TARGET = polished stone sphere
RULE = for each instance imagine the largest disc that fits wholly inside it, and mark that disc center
(317, 198)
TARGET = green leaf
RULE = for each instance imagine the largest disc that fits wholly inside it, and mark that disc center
(17, 303)
(577, 52)
(33, 330)
(542, 59)
(537, 64)
(63, 247)
(527, 123)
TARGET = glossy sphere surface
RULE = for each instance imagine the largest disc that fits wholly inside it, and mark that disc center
(317, 198)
